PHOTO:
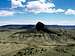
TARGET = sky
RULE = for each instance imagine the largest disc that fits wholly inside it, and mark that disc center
(50, 12)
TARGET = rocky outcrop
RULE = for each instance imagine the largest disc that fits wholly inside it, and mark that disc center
(39, 26)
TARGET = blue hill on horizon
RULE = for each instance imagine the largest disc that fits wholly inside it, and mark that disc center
(33, 26)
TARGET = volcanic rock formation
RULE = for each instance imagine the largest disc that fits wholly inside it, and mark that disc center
(39, 26)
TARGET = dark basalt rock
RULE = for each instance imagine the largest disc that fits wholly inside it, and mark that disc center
(39, 26)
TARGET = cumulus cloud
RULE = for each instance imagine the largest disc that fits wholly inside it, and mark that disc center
(42, 0)
(37, 6)
(6, 13)
(17, 3)
(70, 12)
(23, 0)
(40, 6)
(60, 10)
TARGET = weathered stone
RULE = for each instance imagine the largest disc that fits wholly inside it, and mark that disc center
(39, 26)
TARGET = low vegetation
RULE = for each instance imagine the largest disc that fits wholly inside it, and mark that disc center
(23, 42)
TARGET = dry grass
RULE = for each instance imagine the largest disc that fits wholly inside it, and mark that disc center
(13, 41)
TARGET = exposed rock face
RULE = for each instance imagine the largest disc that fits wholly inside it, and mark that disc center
(39, 26)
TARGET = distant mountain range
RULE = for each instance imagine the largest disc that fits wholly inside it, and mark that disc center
(33, 26)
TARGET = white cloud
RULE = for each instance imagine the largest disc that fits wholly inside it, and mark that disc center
(50, 5)
(17, 3)
(6, 13)
(42, 0)
(60, 10)
(37, 7)
(70, 12)
(23, 0)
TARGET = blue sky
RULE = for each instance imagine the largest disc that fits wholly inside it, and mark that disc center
(57, 12)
